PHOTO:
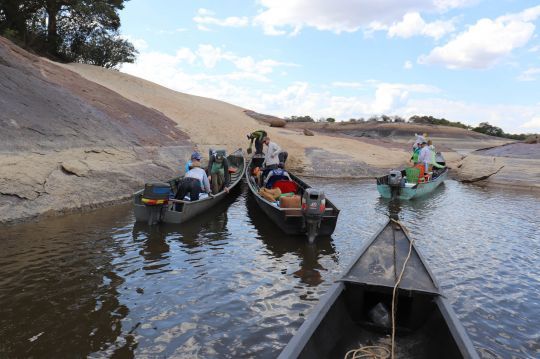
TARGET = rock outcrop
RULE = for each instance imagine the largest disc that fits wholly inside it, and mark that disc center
(67, 143)
(514, 165)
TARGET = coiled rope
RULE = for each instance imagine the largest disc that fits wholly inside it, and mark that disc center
(376, 351)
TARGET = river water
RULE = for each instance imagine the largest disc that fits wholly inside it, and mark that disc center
(229, 285)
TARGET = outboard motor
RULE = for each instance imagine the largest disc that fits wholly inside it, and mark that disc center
(313, 207)
(155, 197)
(395, 180)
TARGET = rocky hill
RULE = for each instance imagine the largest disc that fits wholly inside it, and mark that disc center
(68, 143)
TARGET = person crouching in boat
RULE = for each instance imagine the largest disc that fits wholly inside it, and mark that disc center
(218, 169)
(276, 175)
(195, 181)
(257, 136)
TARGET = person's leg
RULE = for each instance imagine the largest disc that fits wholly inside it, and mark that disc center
(283, 156)
(258, 146)
(194, 190)
(182, 189)
(220, 179)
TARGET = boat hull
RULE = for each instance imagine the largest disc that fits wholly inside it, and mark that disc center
(291, 221)
(407, 193)
(176, 213)
(426, 326)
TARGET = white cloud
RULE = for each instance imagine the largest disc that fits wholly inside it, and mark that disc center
(510, 118)
(486, 42)
(139, 44)
(279, 16)
(533, 124)
(412, 24)
(205, 18)
(407, 65)
(530, 74)
(347, 84)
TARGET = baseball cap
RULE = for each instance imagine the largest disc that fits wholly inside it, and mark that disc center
(196, 156)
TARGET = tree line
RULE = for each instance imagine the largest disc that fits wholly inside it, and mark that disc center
(84, 31)
(483, 127)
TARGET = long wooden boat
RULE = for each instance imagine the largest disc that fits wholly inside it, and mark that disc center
(167, 210)
(356, 311)
(316, 217)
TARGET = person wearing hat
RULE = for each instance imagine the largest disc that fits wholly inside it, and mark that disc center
(257, 136)
(195, 180)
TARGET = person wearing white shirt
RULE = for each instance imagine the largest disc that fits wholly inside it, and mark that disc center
(271, 159)
(425, 156)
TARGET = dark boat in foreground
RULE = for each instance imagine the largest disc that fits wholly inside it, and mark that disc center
(315, 216)
(356, 311)
(154, 205)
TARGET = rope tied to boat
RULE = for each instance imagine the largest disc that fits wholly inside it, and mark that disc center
(376, 351)
(369, 352)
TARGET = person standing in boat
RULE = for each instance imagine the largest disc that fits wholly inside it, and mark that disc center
(424, 158)
(218, 169)
(257, 136)
(271, 158)
(195, 181)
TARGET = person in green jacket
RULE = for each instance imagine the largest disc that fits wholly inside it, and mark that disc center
(257, 136)
(218, 170)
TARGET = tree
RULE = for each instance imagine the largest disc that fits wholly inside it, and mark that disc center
(72, 30)
(486, 128)
(106, 51)
(330, 119)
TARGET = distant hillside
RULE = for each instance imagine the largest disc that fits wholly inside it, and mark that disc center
(383, 129)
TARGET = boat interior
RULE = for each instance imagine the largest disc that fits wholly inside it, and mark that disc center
(361, 317)
(296, 187)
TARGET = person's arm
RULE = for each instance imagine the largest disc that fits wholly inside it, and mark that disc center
(188, 164)
(206, 183)
(210, 163)
(226, 174)
(275, 150)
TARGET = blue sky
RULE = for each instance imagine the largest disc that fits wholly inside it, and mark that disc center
(464, 60)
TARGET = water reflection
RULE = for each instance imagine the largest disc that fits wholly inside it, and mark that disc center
(280, 244)
(229, 284)
(59, 292)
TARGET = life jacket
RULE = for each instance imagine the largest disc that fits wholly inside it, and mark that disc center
(218, 158)
(276, 175)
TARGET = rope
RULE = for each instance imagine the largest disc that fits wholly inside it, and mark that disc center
(411, 241)
(369, 352)
(376, 351)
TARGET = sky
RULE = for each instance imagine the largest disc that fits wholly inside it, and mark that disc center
(464, 60)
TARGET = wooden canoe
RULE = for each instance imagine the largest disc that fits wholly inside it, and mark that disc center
(347, 317)
(291, 221)
(179, 211)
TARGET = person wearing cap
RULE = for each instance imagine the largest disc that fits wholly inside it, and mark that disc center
(257, 136)
(195, 181)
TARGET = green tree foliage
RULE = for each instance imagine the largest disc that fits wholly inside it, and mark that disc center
(437, 121)
(72, 30)
(330, 119)
(299, 119)
(486, 128)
